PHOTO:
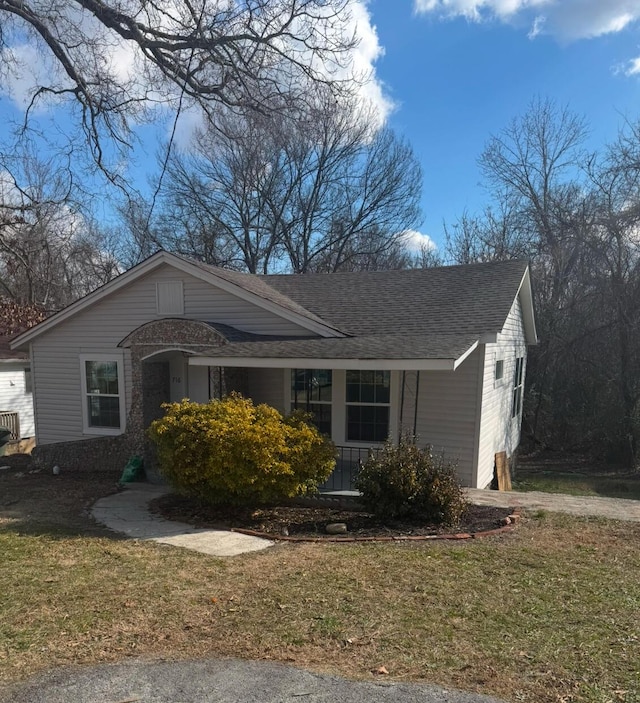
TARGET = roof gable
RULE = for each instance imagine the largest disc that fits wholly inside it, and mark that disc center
(258, 294)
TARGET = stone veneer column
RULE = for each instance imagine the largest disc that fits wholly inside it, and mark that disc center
(152, 338)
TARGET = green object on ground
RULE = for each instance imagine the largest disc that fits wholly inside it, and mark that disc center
(5, 437)
(133, 470)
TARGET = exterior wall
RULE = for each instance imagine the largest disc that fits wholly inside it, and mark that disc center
(97, 453)
(447, 412)
(14, 398)
(267, 386)
(498, 430)
(100, 328)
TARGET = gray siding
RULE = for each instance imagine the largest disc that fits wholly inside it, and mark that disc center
(267, 386)
(99, 329)
(498, 430)
(447, 411)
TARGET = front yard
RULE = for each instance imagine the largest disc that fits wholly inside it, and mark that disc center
(547, 613)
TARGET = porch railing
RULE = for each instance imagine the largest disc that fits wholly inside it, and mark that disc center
(348, 464)
(10, 420)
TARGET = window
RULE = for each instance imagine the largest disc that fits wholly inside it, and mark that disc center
(103, 410)
(499, 372)
(311, 391)
(169, 298)
(27, 380)
(368, 399)
(518, 387)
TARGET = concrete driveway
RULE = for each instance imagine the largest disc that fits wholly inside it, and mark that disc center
(217, 681)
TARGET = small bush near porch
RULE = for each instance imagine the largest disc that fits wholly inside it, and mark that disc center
(405, 481)
(234, 452)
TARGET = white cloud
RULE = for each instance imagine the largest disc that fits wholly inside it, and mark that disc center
(415, 241)
(633, 67)
(566, 20)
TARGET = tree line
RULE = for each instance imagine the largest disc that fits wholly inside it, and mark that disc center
(575, 215)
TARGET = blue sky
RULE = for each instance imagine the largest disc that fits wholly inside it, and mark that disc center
(458, 71)
(457, 81)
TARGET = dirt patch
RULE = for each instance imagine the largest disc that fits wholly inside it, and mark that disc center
(297, 521)
(34, 498)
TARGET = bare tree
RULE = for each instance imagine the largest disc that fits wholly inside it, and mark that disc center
(319, 192)
(115, 61)
(577, 218)
(51, 252)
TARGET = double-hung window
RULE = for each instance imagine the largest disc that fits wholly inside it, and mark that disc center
(368, 399)
(103, 391)
(311, 390)
(518, 387)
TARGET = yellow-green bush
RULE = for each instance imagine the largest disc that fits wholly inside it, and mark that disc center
(232, 451)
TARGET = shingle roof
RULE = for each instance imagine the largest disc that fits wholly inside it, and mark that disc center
(398, 346)
(473, 299)
(6, 354)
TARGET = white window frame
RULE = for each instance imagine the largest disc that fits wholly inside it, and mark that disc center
(517, 396)
(313, 402)
(347, 404)
(498, 380)
(180, 286)
(86, 427)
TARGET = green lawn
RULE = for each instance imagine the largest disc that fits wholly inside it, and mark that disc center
(548, 613)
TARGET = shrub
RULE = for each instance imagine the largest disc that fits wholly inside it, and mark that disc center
(232, 451)
(404, 481)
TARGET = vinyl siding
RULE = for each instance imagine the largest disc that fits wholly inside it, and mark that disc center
(447, 411)
(498, 430)
(13, 397)
(99, 329)
(267, 386)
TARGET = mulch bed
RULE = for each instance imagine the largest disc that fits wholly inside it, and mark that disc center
(310, 522)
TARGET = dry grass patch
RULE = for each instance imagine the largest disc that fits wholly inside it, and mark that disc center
(548, 613)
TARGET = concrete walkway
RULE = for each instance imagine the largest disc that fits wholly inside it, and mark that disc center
(587, 506)
(127, 512)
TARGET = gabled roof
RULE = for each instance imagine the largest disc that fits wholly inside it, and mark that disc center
(245, 286)
(438, 313)
(473, 298)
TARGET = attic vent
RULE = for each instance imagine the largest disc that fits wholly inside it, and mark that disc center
(170, 298)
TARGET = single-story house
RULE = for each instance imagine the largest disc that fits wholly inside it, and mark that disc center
(439, 353)
(16, 400)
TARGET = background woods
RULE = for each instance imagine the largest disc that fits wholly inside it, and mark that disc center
(575, 215)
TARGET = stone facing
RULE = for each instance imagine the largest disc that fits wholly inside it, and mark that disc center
(113, 452)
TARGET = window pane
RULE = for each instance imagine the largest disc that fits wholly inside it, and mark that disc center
(353, 393)
(322, 417)
(383, 383)
(102, 377)
(367, 423)
(104, 411)
(320, 385)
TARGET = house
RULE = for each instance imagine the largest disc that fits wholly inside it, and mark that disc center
(439, 353)
(16, 404)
